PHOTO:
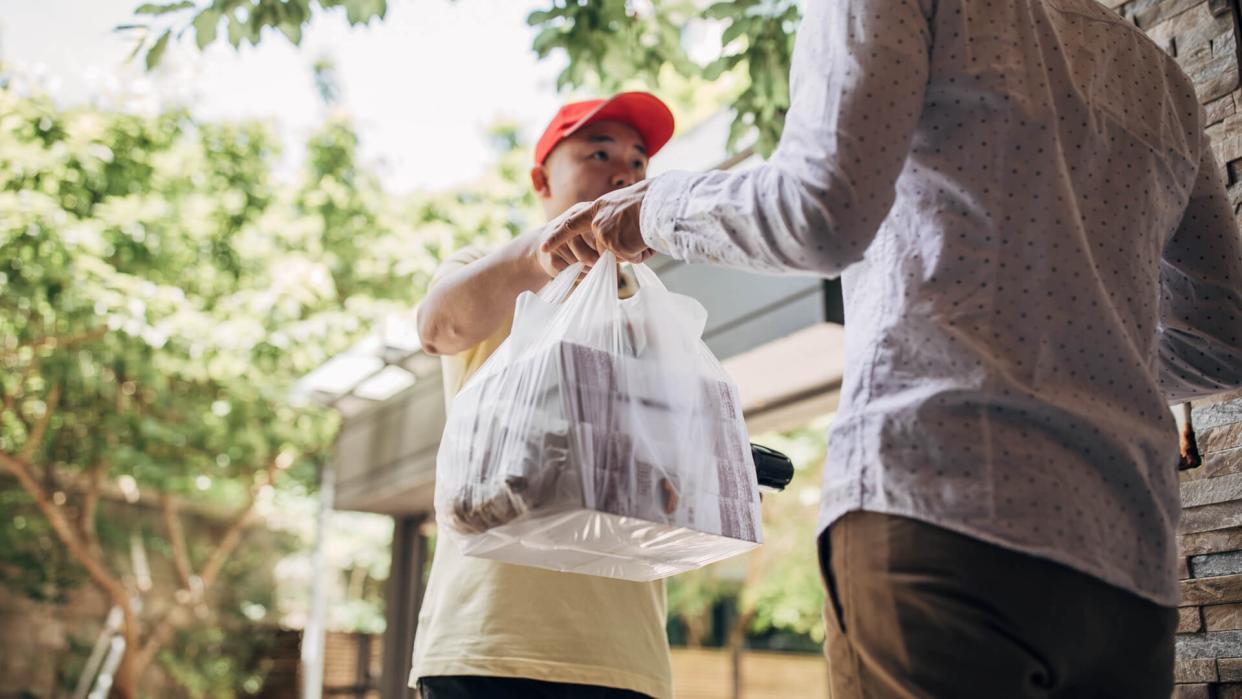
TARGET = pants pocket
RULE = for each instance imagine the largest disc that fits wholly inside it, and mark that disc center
(834, 615)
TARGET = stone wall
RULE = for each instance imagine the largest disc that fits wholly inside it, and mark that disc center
(1202, 36)
(1209, 642)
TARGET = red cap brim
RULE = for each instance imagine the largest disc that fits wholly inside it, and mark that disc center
(642, 111)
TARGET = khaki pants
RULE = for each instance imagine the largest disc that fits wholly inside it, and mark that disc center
(915, 610)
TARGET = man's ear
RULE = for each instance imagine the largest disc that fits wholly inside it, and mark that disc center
(539, 182)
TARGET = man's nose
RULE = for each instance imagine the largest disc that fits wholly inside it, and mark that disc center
(622, 178)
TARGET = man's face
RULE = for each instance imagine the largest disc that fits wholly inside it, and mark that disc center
(595, 160)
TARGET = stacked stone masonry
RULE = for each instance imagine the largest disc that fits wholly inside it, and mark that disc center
(1209, 640)
(1203, 36)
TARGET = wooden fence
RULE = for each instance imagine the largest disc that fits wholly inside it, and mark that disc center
(712, 673)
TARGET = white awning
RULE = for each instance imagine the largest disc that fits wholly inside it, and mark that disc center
(376, 369)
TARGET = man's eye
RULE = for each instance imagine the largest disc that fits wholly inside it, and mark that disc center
(600, 155)
(638, 164)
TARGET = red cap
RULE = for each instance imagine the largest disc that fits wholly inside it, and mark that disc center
(640, 110)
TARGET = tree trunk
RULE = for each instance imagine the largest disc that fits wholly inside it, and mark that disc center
(125, 683)
(137, 656)
(737, 637)
(737, 634)
(695, 632)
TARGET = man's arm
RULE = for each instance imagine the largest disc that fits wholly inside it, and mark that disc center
(1200, 329)
(466, 305)
(858, 79)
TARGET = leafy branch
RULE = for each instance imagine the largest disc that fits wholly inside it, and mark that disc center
(242, 21)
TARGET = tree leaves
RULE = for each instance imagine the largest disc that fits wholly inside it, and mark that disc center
(155, 270)
(117, 243)
(609, 43)
(738, 28)
(210, 280)
(716, 68)
(245, 20)
(362, 11)
(205, 25)
(544, 16)
(236, 31)
(156, 9)
(547, 39)
(153, 56)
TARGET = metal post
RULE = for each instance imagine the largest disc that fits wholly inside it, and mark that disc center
(735, 667)
(111, 626)
(362, 670)
(103, 684)
(313, 634)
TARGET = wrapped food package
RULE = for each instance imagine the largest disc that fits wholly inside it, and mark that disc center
(619, 454)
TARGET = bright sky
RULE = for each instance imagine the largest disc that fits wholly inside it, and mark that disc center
(423, 85)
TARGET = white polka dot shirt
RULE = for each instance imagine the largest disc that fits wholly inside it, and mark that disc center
(1037, 256)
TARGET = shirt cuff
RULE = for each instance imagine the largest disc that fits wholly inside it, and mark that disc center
(663, 203)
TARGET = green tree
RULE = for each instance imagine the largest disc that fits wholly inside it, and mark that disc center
(159, 293)
(784, 592)
(617, 43)
(134, 326)
(609, 44)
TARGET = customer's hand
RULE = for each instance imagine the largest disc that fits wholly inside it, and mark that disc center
(554, 260)
(610, 223)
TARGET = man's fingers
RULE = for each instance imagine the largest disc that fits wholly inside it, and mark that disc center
(583, 251)
(573, 225)
(628, 254)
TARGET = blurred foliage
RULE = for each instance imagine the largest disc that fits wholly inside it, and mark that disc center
(620, 44)
(160, 293)
(774, 592)
(356, 555)
(235, 21)
(608, 45)
(32, 562)
(788, 595)
(696, 600)
(223, 660)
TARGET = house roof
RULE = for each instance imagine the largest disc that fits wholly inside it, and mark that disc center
(379, 367)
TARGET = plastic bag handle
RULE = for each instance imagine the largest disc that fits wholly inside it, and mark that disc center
(557, 290)
(647, 277)
(689, 309)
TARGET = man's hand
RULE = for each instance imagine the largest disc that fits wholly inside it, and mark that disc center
(609, 223)
(568, 249)
(554, 260)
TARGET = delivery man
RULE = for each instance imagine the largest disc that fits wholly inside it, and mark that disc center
(490, 629)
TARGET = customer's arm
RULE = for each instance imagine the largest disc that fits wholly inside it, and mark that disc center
(1200, 326)
(468, 302)
(859, 74)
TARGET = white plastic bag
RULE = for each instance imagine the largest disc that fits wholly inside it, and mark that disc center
(602, 437)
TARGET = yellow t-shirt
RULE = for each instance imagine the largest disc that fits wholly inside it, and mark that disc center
(481, 617)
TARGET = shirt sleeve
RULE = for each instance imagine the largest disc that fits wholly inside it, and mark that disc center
(458, 259)
(1200, 329)
(858, 78)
